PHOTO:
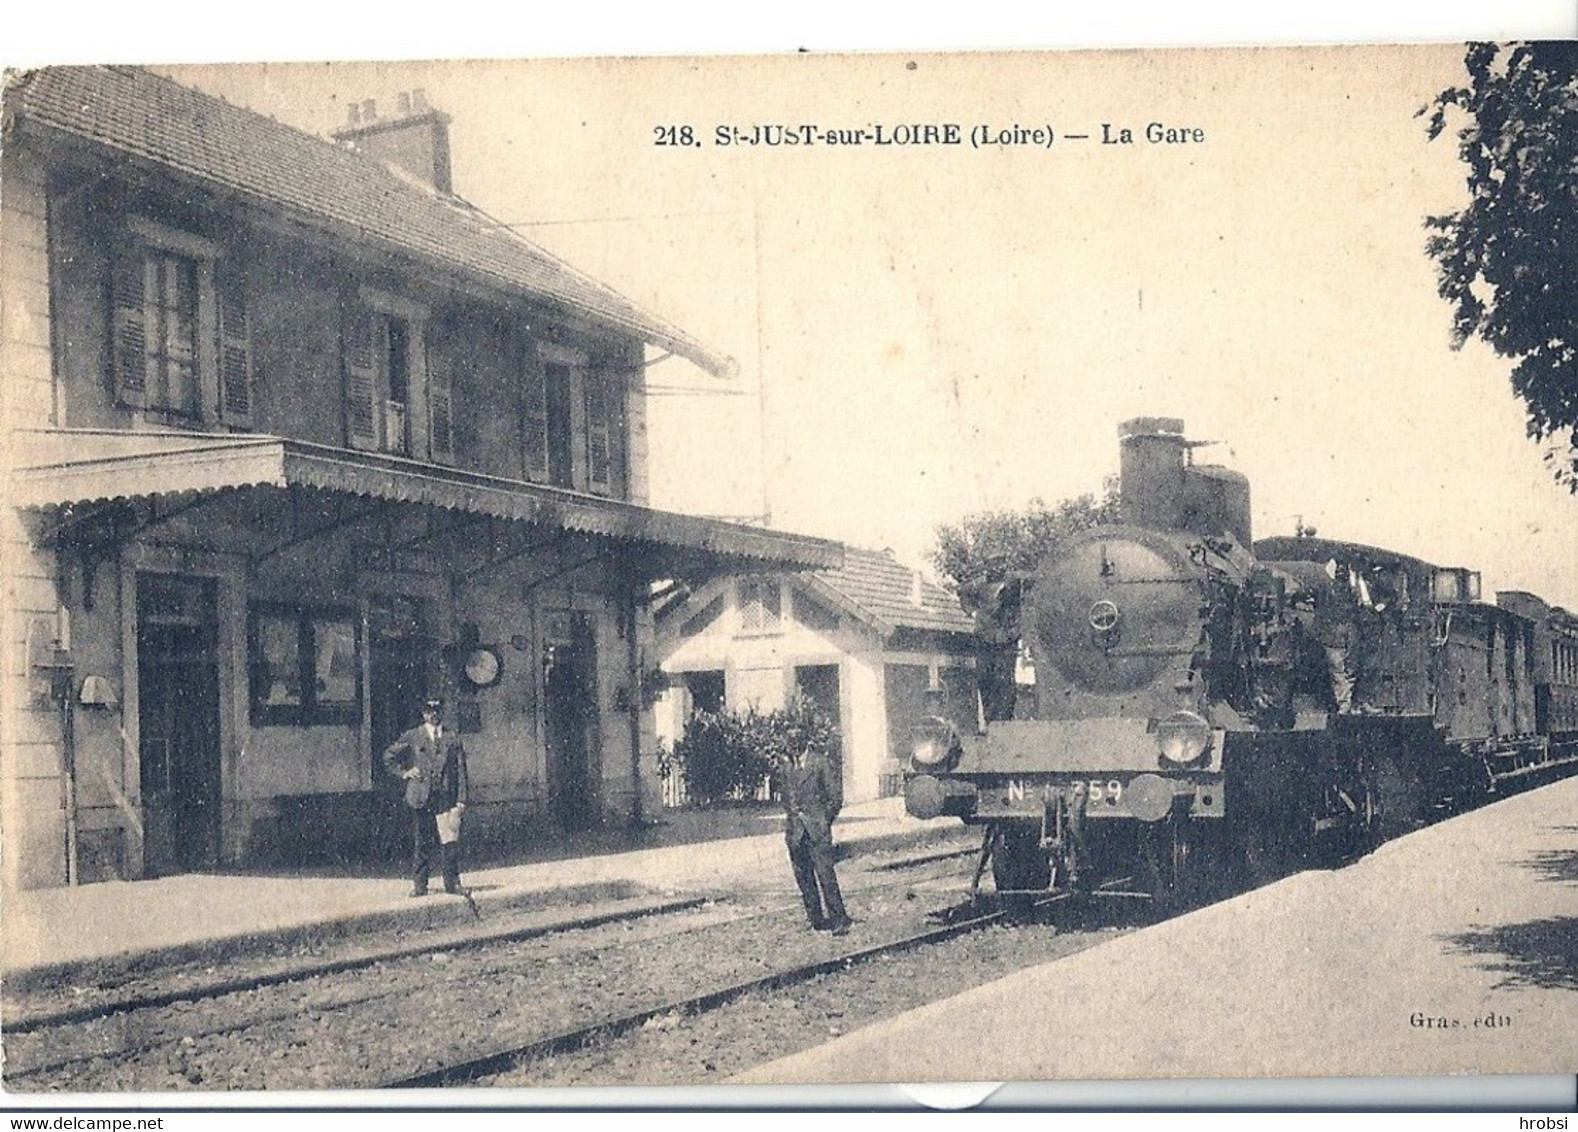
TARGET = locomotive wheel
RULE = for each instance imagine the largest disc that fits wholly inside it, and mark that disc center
(1396, 801)
(1369, 834)
(1165, 854)
(1018, 863)
(1183, 864)
(1263, 854)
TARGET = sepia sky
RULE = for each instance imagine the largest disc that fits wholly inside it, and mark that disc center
(926, 331)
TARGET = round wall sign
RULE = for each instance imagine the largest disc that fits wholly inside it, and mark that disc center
(483, 667)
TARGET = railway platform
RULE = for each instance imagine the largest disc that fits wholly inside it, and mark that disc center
(64, 933)
(1452, 950)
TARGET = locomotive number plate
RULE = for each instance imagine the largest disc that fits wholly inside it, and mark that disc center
(1103, 797)
(1103, 791)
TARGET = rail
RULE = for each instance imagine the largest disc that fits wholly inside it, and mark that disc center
(487, 1061)
(141, 1038)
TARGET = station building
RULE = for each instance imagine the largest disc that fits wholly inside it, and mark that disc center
(296, 438)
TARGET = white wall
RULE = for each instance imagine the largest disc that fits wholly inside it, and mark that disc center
(759, 671)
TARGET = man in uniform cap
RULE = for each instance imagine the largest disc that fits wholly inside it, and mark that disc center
(433, 765)
(812, 796)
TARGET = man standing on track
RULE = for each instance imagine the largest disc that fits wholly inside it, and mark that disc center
(812, 796)
(433, 765)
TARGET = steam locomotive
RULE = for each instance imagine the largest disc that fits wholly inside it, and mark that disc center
(1209, 712)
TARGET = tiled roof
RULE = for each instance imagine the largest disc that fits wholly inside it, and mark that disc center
(143, 115)
(879, 584)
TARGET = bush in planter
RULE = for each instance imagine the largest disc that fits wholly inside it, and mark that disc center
(726, 754)
(717, 758)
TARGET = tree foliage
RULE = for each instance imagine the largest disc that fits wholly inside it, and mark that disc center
(987, 556)
(1508, 261)
(990, 546)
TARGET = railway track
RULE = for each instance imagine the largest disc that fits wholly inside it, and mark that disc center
(66, 1045)
(24, 1021)
(487, 1061)
(21, 1018)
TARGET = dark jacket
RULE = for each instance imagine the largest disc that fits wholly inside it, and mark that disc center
(812, 795)
(442, 782)
(1337, 613)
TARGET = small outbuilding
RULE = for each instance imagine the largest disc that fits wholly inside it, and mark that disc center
(866, 640)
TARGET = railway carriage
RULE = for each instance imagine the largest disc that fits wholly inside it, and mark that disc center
(1187, 734)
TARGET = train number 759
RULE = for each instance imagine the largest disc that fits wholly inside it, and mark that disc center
(1098, 791)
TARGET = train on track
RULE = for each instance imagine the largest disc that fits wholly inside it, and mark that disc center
(1210, 712)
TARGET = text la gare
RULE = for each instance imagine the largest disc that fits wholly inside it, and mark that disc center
(1156, 133)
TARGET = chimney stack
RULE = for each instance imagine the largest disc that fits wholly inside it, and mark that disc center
(416, 140)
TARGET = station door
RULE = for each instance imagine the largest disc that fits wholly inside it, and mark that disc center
(178, 722)
(570, 719)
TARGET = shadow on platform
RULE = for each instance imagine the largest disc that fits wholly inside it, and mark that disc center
(1536, 953)
(1559, 865)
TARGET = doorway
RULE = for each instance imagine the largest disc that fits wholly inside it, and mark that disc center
(819, 684)
(397, 659)
(570, 719)
(705, 691)
(178, 722)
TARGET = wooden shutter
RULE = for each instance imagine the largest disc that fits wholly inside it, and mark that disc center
(130, 286)
(618, 432)
(361, 379)
(599, 433)
(235, 349)
(534, 419)
(440, 405)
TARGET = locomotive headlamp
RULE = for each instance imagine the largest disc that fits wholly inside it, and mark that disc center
(932, 744)
(1182, 738)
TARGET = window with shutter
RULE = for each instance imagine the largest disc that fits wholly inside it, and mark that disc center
(130, 286)
(178, 335)
(599, 432)
(154, 296)
(561, 441)
(392, 404)
(235, 350)
(440, 405)
(362, 335)
(534, 420)
(175, 310)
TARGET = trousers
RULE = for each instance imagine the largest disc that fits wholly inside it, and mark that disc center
(1339, 662)
(425, 845)
(812, 861)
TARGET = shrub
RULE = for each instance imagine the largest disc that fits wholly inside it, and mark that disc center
(727, 755)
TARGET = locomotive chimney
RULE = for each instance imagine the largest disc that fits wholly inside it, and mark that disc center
(1164, 489)
(1151, 471)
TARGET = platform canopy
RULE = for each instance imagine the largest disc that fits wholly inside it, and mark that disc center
(59, 468)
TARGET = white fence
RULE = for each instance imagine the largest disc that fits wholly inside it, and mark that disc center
(676, 795)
